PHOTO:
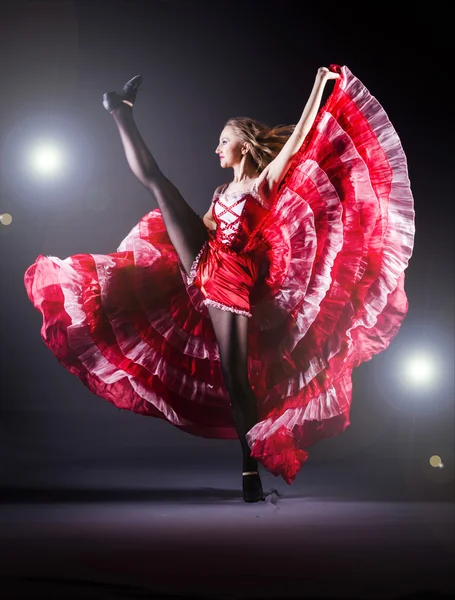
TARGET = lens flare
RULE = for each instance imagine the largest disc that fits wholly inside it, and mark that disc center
(436, 461)
(6, 219)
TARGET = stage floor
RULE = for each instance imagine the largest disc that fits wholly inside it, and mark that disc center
(106, 530)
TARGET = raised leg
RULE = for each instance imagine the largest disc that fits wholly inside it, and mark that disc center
(184, 226)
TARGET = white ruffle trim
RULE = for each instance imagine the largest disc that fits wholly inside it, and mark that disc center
(226, 307)
(193, 270)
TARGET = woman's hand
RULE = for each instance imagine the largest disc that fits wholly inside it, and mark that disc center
(326, 74)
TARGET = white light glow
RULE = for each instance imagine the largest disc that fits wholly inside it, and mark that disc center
(46, 159)
(420, 370)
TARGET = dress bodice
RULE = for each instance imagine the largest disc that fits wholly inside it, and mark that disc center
(237, 215)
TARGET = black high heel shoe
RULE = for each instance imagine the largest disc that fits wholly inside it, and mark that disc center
(252, 487)
(112, 99)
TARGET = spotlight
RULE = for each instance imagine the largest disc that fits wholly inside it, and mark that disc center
(420, 370)
(46, 158)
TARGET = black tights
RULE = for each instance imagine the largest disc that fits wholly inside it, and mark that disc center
(187, 233)
(231, 332)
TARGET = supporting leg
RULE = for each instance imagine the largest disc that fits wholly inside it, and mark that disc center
(231, 331)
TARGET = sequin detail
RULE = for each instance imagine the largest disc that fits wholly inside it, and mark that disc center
(193, 270)
(248, 192)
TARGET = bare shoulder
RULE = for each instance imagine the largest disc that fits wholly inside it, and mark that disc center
(220, 188)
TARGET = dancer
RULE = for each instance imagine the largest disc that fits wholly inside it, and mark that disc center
(247, 322)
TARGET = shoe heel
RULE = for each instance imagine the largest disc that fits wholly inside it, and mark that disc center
(111, 100)
(252, 487)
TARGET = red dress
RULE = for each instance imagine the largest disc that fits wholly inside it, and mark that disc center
(228, 267)
(321, 272)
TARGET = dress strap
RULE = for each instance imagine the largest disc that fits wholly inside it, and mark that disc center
(254, 192)
(219, 191)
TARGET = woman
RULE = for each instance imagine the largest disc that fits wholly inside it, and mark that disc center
(247, 323)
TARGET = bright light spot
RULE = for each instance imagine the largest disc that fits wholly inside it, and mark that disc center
(420, 370)
(46, 158)
(6, 219)
(436, 461)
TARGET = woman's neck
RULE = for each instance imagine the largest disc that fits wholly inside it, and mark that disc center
(244, 174)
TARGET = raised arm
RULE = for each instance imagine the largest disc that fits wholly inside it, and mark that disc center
(271, 177)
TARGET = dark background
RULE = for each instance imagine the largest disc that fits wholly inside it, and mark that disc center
(203, 62)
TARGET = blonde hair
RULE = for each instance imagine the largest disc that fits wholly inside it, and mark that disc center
(265, 142)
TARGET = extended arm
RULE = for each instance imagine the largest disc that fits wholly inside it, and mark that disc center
(273, 174)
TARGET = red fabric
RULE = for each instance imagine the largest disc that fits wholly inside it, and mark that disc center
(321, 273)
(232, 264)
(227, 277)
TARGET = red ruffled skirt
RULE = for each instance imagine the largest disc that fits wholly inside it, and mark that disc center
(338, 241)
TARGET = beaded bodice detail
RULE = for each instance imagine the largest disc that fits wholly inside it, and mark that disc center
(237, 215)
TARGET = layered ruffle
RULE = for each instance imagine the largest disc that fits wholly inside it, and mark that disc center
(352, 183)
(336, 243)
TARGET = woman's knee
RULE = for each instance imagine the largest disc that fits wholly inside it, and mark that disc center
(158, 184)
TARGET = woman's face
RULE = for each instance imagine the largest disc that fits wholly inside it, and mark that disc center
(230, 148)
